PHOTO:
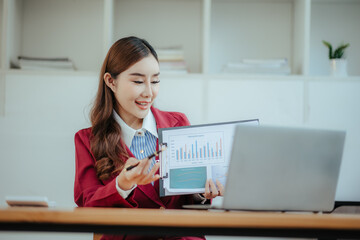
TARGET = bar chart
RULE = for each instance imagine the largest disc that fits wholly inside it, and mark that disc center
(197, 148)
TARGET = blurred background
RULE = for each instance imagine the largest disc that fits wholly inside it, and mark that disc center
(220, 60)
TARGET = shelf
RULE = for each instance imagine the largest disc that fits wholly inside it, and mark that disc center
(251, 30)
(50, 72)
(336, 22)
(211, 32)
(51, 28)
(164, 24)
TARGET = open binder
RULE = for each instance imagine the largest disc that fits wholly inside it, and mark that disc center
(195, 154)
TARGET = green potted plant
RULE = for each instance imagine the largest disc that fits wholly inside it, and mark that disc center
(337, 62)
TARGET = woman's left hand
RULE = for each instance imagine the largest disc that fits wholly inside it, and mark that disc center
(212, 191)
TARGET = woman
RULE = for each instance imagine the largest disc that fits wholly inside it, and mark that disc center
(124, 130)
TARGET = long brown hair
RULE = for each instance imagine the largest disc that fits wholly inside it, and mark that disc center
(106, 132)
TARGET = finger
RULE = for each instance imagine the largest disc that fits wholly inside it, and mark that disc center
(144, 162)
(154, 178)
(214, 191)
(146, 166)
(136, 174)
(149, 177)
(131, 162)
(137, 171)
(154, 169)
(139, 174)
(207, 193)
(148, 180)
(220, 187)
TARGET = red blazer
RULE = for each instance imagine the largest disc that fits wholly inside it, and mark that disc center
(89, 191)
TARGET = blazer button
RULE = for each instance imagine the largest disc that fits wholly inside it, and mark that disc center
(162, 207)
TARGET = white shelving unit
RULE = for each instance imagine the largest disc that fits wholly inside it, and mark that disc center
(337, 22)
(211, 32)
(259, 30)
(41, 28)
(164, 24)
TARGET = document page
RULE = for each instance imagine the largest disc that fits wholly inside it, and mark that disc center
(195, 154)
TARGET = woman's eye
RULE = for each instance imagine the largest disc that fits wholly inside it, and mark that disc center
(138, 82)
(155, 81)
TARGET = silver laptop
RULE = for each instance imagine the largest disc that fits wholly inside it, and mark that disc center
(283, 169)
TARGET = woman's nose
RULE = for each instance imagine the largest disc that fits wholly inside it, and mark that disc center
(148, 91)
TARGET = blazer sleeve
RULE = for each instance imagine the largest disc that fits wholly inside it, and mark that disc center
(88, 190)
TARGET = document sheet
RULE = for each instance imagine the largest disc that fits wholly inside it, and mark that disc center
(195, 154)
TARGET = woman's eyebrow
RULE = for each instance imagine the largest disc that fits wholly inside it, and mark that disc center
(143, 75)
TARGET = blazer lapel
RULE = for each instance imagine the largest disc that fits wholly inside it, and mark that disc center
(163, 120)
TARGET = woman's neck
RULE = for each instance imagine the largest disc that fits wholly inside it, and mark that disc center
(133, 122)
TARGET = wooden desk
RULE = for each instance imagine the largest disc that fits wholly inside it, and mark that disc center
(181, 222)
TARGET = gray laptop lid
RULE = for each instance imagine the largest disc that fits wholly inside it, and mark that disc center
(279, 168)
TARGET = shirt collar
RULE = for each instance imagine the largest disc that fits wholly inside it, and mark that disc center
(128, 133)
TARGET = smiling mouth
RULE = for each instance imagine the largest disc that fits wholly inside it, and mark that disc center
(142, 105)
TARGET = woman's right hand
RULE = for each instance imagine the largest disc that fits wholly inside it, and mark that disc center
(139, 175)
(212, 191)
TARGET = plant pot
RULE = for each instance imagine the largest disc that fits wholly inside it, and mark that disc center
(338, 67)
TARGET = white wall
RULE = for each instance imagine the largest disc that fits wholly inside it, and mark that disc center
(42, 114)
(183, 94)
(335, 105)
(273, 101)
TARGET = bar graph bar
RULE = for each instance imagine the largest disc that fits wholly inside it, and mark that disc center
(200, 151)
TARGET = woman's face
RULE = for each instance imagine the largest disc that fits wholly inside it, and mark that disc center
(136, 89)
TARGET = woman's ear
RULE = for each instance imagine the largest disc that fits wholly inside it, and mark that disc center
(109, 81)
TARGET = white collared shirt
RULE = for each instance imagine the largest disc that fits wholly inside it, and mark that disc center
(128, 133)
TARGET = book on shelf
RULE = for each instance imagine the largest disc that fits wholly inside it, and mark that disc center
(36, 63)
(259, 66)
(170, 54)
(173, 67)
(171, 60)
